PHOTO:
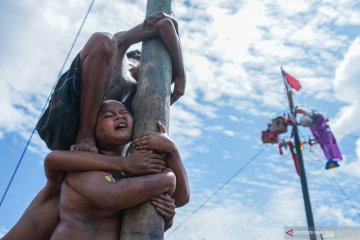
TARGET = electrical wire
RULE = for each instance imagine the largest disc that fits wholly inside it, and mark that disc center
(11, 86)
(344, 193)
(330, 176)
(46, 103)
(346, 134)
(216, 191)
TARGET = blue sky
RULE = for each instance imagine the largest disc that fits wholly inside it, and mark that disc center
(233, 51)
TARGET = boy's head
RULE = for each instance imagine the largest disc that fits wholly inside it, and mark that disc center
(134, 63)
(113, 126)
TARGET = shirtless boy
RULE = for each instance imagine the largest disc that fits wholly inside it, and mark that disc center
(71, 116)
(91, 201)
(102, 70)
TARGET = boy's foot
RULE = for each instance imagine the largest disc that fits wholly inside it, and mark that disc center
(86, 145)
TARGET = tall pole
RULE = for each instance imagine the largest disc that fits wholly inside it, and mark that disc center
(305, 191)
(151, 104)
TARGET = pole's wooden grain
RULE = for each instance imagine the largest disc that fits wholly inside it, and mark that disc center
(151, 104)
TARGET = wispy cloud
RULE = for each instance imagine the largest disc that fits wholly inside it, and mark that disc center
(347, 87)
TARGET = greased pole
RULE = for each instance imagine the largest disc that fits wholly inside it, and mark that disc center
(151, 104)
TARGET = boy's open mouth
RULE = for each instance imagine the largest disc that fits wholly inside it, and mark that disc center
(120, 126)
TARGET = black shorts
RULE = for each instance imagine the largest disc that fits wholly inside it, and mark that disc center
(59, 123)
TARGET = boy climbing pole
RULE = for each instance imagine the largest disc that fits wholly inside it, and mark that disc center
(102, 70)
(92, 201)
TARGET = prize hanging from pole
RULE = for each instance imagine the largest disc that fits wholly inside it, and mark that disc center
(315, 121)
(319, 128)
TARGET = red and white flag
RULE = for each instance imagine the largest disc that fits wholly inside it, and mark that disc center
(293, 82)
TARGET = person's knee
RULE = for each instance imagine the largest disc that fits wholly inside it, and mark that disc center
(101, 44)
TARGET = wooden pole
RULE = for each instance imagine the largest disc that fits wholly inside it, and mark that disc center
(151, 104)
(303, 181)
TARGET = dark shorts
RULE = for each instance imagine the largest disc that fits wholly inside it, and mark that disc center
(59, 123)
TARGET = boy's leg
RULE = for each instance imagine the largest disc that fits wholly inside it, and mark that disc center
(40, 218)
(97, 60)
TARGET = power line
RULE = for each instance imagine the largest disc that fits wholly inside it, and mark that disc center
(344, 193)
(11, 86)
(45, 105)
(217, 191)
(341, 190)
(346, 134)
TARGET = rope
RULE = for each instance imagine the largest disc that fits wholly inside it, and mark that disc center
(217, 191)
(46, 103)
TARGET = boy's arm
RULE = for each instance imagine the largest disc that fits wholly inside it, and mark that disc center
(161, 143)
(58, 162)
(165, 29)
(178, 73)
(106, 193)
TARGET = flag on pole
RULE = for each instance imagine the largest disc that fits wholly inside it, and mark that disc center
(293, 82)
(293, 154)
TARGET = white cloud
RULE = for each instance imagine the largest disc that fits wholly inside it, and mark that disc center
(185, 128)
(185, 123)
(344, 12)
(222, 60)
(346, 79)
(233, 118)
(229, 133)
(236, 119)
(347, 87)
(312, 35)
(201, 149)
(329, 216)
(220, 128)
(294, 7)
(352, 167)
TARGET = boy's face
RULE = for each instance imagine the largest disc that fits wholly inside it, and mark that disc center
(134, 66)
(114, 124)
